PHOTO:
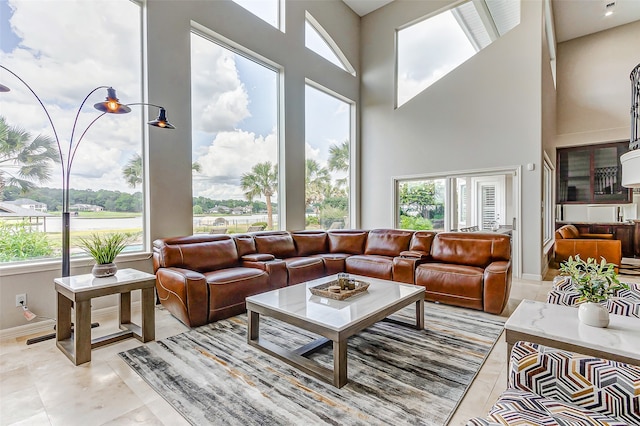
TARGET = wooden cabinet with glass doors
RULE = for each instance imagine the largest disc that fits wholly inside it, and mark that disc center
(591, 174)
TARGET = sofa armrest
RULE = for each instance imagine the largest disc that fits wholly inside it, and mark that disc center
(497, 286)
(404, 268)
(276, 268)
(257, 257)
(419, 254)
(184, 293)
(605, 386)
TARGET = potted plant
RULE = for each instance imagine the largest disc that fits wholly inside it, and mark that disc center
(104, 249)
(595, 282)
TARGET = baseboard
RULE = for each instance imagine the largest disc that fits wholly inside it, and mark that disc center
(532, 277)
(46, 326)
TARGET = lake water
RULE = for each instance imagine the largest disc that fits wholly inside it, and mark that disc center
(54, 224)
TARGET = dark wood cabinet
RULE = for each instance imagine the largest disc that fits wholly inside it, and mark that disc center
(627, 233)
(591, 174)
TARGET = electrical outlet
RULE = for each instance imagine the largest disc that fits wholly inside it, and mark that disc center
(21, 300)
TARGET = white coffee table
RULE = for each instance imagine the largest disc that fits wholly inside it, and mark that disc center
(335, 320)
(558, 326)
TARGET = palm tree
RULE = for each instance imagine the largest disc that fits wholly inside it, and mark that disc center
(339, 160)
(31, 159)
(317, 181)
(339, 157)
(132, 172)
(263, 180)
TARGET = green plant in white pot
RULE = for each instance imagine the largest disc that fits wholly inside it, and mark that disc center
(104, 249)
(596, 282)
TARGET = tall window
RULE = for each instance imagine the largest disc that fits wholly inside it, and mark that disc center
(421, 204)
(267, 10)
(430, 49)
(328, 160)
(63, 63)
(234, 104)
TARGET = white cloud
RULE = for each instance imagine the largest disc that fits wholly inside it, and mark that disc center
(219, 99)
(63, 66)
(229, 156)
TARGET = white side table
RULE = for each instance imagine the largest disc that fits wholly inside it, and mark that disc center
(76, 344)
(558, 326)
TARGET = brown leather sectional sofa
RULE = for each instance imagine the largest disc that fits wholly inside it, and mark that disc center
(204, 278)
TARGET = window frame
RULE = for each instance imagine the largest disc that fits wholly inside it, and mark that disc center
(83, 259)
(351, 178)
(239, 49)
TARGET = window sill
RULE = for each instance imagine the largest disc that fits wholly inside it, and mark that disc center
(54, 264)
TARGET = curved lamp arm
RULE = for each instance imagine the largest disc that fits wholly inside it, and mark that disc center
(4, 88)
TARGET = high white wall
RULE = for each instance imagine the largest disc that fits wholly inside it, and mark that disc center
(168, 26)
(594, 89)
(485, 114)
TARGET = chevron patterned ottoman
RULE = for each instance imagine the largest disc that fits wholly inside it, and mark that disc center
(549, 386)
(625, 302)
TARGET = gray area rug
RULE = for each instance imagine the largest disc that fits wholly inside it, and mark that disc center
(397, 375)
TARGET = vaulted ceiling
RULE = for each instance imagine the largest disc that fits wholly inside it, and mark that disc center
(572, 18)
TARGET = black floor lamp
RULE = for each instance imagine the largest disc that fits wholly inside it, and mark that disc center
(111, 105)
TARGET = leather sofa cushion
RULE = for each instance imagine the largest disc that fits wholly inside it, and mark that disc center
(310, 242)
(333, 262)
(370, 265)
(447, 279)
(245, 244)
(200, 253)
(301, 269)
(350, 241)
(474, 249)
(421, 241)
(279, 244)
(611, 250)
(229, 287)
(387, 242)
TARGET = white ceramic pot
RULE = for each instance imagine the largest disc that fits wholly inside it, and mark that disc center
(593, 314)
(104, 270)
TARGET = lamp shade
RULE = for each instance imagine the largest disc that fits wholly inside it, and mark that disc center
(162, 121)
(112, 105)
(631, 169)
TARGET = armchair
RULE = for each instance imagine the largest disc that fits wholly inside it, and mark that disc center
(569, 242)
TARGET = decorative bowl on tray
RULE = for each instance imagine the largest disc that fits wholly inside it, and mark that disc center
(322, 290)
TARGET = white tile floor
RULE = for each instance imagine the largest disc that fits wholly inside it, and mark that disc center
(40, 386)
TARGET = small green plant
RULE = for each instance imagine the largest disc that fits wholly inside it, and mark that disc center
(415, 223)
(21, 242)
(104, 248)
(595, 282)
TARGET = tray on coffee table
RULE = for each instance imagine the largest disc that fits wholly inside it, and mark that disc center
(323, 290)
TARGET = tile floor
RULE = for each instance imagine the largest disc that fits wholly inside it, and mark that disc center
(40, 386)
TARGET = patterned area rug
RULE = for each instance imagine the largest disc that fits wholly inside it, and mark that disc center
(397, 375)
